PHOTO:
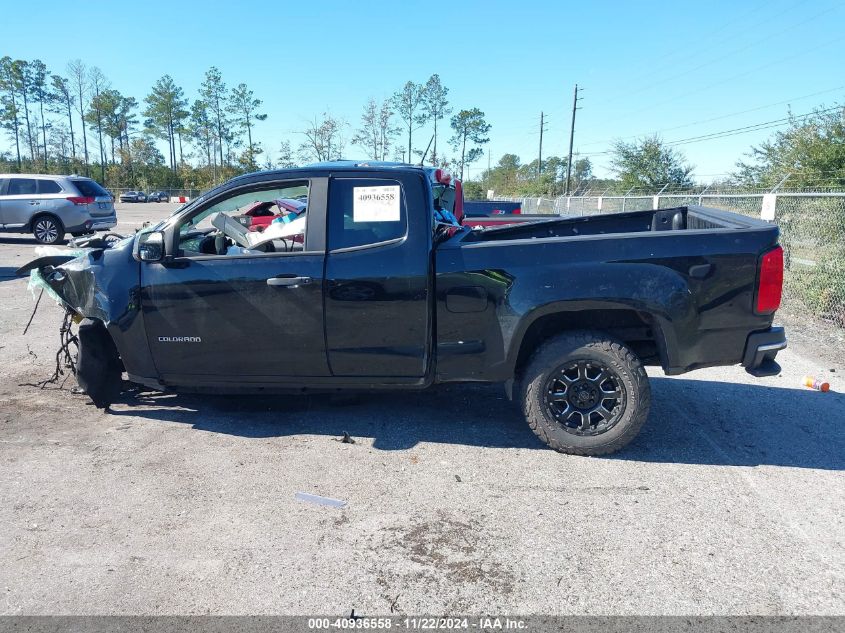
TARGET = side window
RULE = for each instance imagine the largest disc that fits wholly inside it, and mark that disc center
(266, 220)
(21, 187)
(48, 186)
(365, 211)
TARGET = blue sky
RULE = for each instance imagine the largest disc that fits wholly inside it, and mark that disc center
(644, 66)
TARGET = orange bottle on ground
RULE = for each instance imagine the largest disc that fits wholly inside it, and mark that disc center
(815, 383)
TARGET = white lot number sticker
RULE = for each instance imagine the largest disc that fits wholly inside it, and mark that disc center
(376, 204)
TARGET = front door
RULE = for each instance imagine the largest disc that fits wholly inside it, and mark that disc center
(20, 203)
(239, 316)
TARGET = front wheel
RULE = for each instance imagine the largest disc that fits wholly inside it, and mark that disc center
(585, 393)
(98, 368)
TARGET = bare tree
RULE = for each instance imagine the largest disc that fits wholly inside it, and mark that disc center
(61, 102)
(323, 139)
(78, 75)
(376, 131)
(98, 84)
(387, 131)
(285, 156)
(407, 103)
(435, 105)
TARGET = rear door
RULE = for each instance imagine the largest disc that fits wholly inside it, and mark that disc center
(378, 275)
(51, 197)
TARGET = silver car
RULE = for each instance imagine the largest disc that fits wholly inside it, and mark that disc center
(51, 206)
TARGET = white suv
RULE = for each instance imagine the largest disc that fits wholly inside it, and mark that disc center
(50, 206)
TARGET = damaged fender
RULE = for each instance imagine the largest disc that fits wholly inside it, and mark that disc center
(101, 286)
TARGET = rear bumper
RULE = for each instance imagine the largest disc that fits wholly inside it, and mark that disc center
(94, 224)
(761, 349)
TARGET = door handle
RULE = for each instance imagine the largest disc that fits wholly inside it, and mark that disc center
(288, 281)
(34, 202)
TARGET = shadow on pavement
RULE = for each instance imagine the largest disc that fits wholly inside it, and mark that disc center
(7, 273)
(692, 421)
(21, 240)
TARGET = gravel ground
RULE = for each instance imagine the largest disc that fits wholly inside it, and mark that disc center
(729, 502)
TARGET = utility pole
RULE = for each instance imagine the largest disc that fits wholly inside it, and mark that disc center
(540, 154)
(571, 140)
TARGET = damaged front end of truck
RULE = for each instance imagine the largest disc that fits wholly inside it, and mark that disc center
(95, 281)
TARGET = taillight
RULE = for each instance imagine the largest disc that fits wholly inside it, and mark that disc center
(770, 285)
(81, 200)
(517, 211)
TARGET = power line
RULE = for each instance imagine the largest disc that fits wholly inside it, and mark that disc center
(718, 118)
(740, 75)
(752, 128)
(790, 28)
(736, 131)
(733, 21)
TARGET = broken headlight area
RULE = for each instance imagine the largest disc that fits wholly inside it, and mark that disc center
(92, 281)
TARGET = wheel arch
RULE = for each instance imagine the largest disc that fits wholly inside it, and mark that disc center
(61, 230)
(642, 331)
(41, 214)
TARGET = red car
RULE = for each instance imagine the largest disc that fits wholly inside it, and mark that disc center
(261, 214)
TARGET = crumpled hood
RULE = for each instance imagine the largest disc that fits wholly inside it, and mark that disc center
(98, 283)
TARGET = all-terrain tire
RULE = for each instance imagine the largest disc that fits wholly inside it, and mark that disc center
(542, 388)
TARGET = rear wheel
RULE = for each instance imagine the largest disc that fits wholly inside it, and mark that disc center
(48, 229)
(584, 393)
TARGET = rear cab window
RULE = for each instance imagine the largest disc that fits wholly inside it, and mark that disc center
(366, 212)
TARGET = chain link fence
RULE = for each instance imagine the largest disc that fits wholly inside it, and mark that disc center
(812, 226)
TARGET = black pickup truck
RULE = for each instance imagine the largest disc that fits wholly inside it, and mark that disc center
(374, 286)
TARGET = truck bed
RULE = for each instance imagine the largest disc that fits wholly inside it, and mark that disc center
(675, 219)
(678, 285)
